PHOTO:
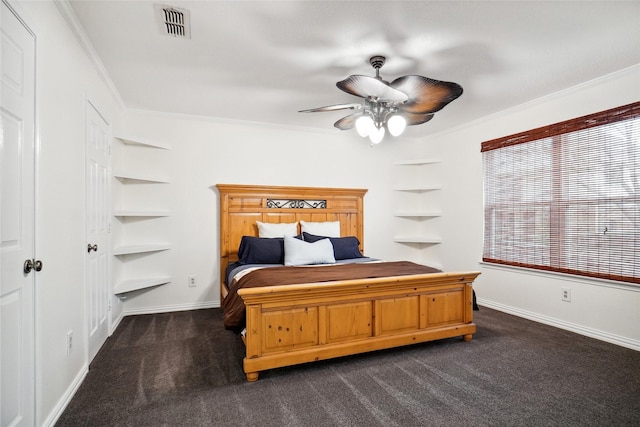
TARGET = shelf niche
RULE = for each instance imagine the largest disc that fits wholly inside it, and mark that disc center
(414, 184)
(131, 280)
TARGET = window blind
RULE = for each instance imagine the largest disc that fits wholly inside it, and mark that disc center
(566, 197)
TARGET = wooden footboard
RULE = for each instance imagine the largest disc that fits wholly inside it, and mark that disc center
(288, 325)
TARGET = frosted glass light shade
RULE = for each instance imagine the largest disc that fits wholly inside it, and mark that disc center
(396, 125)
(364, 126)
(376, 135)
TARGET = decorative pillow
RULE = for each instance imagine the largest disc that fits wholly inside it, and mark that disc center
(298, 252)
(328, 228)
(262, 250)
(277, 229)
(343, 247)
(256, 250)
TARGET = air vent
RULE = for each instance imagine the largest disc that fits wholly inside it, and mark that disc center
(173, 21)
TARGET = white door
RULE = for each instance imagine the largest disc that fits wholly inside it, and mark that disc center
(17, 216)
(98, 219)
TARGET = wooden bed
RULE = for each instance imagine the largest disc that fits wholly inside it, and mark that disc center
(292, 324)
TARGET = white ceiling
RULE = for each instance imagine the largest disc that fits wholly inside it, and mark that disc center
(262, 61)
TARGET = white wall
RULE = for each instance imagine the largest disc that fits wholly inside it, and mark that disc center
(600, 309)
(65, 78)
(205, 152)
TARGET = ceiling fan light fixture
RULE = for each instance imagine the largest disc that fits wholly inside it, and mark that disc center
(396, 124)
(364, 125)
(376, 135)
(407, 101)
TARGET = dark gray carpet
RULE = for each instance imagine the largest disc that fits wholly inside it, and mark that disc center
(184, 369)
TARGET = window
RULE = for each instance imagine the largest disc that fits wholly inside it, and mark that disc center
(566, 197)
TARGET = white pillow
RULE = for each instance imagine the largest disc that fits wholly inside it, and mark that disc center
(328, 228)
(277, 229)
(299, 252)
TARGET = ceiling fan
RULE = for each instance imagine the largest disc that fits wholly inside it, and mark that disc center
(406, 101)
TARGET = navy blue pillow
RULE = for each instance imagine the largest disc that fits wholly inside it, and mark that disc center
(261, 250)
(343, 247)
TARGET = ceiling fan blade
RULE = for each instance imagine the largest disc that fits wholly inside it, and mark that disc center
(426, 95)
(333, 108)
(417, 119)
(347, 122)
(365, 87)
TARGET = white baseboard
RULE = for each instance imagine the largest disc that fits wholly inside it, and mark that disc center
(578, 329)
(62, 404)
(169, 308)
(115, 323)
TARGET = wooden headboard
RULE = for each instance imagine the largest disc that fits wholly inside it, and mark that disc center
(242, 205)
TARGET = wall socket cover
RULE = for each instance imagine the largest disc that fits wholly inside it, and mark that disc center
(69, 342)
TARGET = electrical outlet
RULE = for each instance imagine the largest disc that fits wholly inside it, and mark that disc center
(566, 294)
(192, 281)
(69, 342)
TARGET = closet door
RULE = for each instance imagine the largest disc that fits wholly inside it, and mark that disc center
(17, 218)
(98, 221)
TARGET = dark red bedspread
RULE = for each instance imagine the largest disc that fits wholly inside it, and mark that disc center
(234, 309)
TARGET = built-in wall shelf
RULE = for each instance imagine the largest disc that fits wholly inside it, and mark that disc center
(137, 284)
(419, 188)
(417, 162)
(423, 214)
(134, 140)
(138, 249)
(417, 178)
(137, 210)
(141, 178)
(417, 239)
(140, 213)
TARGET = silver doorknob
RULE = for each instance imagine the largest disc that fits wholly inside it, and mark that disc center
(92, 248)
(32, 264)
(28, 266)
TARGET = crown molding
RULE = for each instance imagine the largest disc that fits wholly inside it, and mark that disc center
(632, 72)
(74, 24)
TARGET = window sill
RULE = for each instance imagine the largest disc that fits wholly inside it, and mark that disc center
(563, 276)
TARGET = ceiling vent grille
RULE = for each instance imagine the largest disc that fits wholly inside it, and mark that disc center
(173, 21)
